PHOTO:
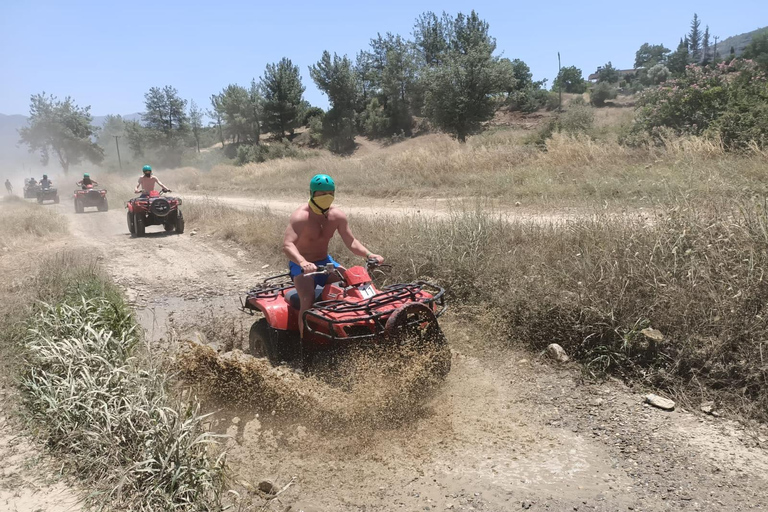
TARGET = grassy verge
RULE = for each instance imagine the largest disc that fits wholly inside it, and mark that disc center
(24, 222)
(696, 273)
(571, 171)
(94, 399)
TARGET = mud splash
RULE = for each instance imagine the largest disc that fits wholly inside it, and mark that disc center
(364, 391)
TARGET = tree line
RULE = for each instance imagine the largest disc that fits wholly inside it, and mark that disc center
(447, 75)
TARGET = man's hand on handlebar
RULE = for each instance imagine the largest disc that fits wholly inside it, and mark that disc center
(166, 190)
(308, 267)
(374, 259)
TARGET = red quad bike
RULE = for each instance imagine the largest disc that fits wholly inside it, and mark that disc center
(347, 313)
(154, 210)
(89, 196)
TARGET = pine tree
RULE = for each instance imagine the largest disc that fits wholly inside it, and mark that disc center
(694, 39)
(282, 90)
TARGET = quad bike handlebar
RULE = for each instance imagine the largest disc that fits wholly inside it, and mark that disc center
(330, 268)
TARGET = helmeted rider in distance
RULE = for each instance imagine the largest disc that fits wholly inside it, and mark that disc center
(147, 182)
(45, 182)
(308, 234)
(87, 181)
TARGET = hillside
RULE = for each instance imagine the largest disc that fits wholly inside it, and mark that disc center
(738, 42)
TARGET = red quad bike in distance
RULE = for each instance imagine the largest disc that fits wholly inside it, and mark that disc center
(154, 210)
(351, 312)
(90, 196)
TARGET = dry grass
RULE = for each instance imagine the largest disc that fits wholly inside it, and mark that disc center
(572, 171)
(695, 272)
(25, 223)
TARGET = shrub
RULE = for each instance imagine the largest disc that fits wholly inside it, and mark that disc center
(658, 74)
(310, 113)
(577, 119)
(527, 100)
(602, 92)
(553, 101)
(726, 102)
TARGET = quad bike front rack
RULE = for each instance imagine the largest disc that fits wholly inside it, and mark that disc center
(368, 319)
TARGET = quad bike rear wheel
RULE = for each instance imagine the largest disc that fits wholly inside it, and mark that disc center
(415, 326)
(79, 208)
(179, 223)
(104, 206)
(56, 199)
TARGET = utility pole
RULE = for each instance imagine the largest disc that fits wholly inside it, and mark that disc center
(118, 151)
(559, 85)
(714, 56)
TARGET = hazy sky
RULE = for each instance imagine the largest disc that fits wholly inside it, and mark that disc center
(107, 54)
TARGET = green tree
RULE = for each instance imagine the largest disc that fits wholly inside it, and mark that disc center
(61, 128)
(394, 77)
(165, 113)
(336, 79)
(608, 74)
(282, 91)
(705, 46)
(460, 91)
(216, 113)
(431, 37)
(602, 92)
(114, 126)
(572, 80)
(694, 39)
(757, 49)
(195, 122)
(677, 61)
(651, 54)
(238, 109)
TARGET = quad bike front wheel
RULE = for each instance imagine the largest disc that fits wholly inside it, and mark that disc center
(414, 327)
(138, 222)
(131, 224)
(261, 343)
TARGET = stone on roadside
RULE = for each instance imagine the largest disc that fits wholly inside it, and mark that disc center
(557, 353)
(662, 403)
(267, 487)
(653, 334)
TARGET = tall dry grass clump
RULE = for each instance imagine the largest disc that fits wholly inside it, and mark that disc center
(23, 222)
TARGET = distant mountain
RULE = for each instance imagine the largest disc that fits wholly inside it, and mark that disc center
(11, 154)
(738, 43)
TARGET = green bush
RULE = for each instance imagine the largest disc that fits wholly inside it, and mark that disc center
(527, 100)
(577, 119)
(553, 101)
(726, 102)
(310, 113)
(602, 92)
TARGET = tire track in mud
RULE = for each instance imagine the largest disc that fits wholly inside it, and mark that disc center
(501, 432)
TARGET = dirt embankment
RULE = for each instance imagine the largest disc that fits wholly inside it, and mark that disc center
(506, 431)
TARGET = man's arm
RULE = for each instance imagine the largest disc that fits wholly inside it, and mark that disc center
(138, 187)
(352, 243)
(289, 244)
(158, 182)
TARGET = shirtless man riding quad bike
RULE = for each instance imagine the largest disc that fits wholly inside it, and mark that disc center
(147, 182)
(309, 231)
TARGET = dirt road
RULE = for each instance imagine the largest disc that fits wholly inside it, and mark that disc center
(506, 431)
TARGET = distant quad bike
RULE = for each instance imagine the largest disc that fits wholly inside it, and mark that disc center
(153, 211)
(88, 197)
(347, 313)
(30, 189)
(47, 194)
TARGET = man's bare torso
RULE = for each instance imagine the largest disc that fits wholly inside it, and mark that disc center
(314, 232)
(147, 184)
